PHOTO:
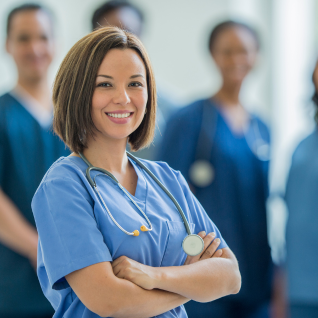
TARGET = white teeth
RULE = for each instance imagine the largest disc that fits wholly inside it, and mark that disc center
(125, 115)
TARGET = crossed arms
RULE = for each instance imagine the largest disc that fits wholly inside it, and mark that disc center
(127, 288)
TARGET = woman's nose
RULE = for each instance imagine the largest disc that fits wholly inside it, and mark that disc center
(121, 96)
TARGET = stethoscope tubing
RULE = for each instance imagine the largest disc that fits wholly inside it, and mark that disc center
(94, 186)
(185, 221)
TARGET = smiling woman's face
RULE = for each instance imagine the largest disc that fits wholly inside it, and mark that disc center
(120, 96)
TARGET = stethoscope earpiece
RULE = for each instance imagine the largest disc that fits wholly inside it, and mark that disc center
(136, 233)
(144, 228)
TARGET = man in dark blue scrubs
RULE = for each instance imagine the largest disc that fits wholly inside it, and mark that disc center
(27, 150)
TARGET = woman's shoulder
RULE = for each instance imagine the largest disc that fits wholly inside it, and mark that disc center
(187, 112)
(65, 168)
(163, 171)
(260, 121)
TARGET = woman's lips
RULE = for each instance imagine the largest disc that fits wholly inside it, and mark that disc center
(119, 117)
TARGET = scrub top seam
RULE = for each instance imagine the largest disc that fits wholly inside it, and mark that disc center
(72, 261)
(146, 183)
(188, 215)
(75, 260)
(56, 228)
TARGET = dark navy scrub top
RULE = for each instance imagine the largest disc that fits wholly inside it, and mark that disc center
(26, 152)
(236, 198)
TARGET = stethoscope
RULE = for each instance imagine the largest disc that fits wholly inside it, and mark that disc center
(192, 243)
(202, 172)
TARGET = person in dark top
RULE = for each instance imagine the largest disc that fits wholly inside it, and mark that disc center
(223, 151)
(28, 147)
(302, 201)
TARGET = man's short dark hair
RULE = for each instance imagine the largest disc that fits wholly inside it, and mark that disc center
(24, 8)
(110, 6)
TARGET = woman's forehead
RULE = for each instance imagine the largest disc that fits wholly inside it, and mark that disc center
(124, 61)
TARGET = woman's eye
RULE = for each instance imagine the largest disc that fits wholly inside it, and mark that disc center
(135, 84)
(103, 85)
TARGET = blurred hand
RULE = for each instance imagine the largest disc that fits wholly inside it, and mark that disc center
(209, 250)
(137, 273)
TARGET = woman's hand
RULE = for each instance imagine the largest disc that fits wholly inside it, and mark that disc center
(146, 276)
(137, 273)
(209, 250)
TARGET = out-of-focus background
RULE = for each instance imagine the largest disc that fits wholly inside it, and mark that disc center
(176, 35)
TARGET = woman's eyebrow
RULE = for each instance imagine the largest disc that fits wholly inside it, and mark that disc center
(133, 76)
(107, 76)
(137, 75)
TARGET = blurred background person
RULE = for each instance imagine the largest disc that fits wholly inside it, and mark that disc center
(223, 151)
(302, 203)
(27, 150)
(128, 16)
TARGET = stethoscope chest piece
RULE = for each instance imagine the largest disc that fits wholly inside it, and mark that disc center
(201, 173)
(193, 245)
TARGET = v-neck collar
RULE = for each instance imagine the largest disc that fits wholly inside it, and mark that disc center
(142, 187)
(42, 116)
(237, 136)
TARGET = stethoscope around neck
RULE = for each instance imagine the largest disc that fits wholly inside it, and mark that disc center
(202, 172)
(192, 243)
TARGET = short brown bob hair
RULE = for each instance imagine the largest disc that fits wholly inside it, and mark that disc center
(75, 84)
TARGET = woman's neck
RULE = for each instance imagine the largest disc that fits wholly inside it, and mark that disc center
(108, 154)
(228, 95)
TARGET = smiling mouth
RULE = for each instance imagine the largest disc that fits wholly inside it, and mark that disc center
(114, 115)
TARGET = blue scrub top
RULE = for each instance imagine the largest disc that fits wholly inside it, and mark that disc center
(236, 198)
(70, 238)
(27, 150)
(302, 202)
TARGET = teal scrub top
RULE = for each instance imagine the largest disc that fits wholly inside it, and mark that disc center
(75, 231)
(27, 150)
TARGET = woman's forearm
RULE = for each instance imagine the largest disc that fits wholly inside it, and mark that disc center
(109, 296)
(133, 301)
(202, 281)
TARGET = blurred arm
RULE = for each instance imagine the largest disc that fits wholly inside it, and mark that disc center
(15, 232)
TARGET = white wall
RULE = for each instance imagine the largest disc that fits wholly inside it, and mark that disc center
(176, 37)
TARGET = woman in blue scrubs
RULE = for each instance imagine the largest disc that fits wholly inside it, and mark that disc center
(301, 199)
(104, 95)
(223, 151)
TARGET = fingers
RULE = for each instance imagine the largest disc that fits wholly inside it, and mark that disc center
(118, 260)
(211, 250)
(193, 259)
(119, 263)
(218, 253)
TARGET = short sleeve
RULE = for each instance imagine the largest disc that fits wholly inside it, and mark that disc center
(68, 233)
(199, 217)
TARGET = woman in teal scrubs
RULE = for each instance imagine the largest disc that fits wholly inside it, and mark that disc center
(104, 95)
